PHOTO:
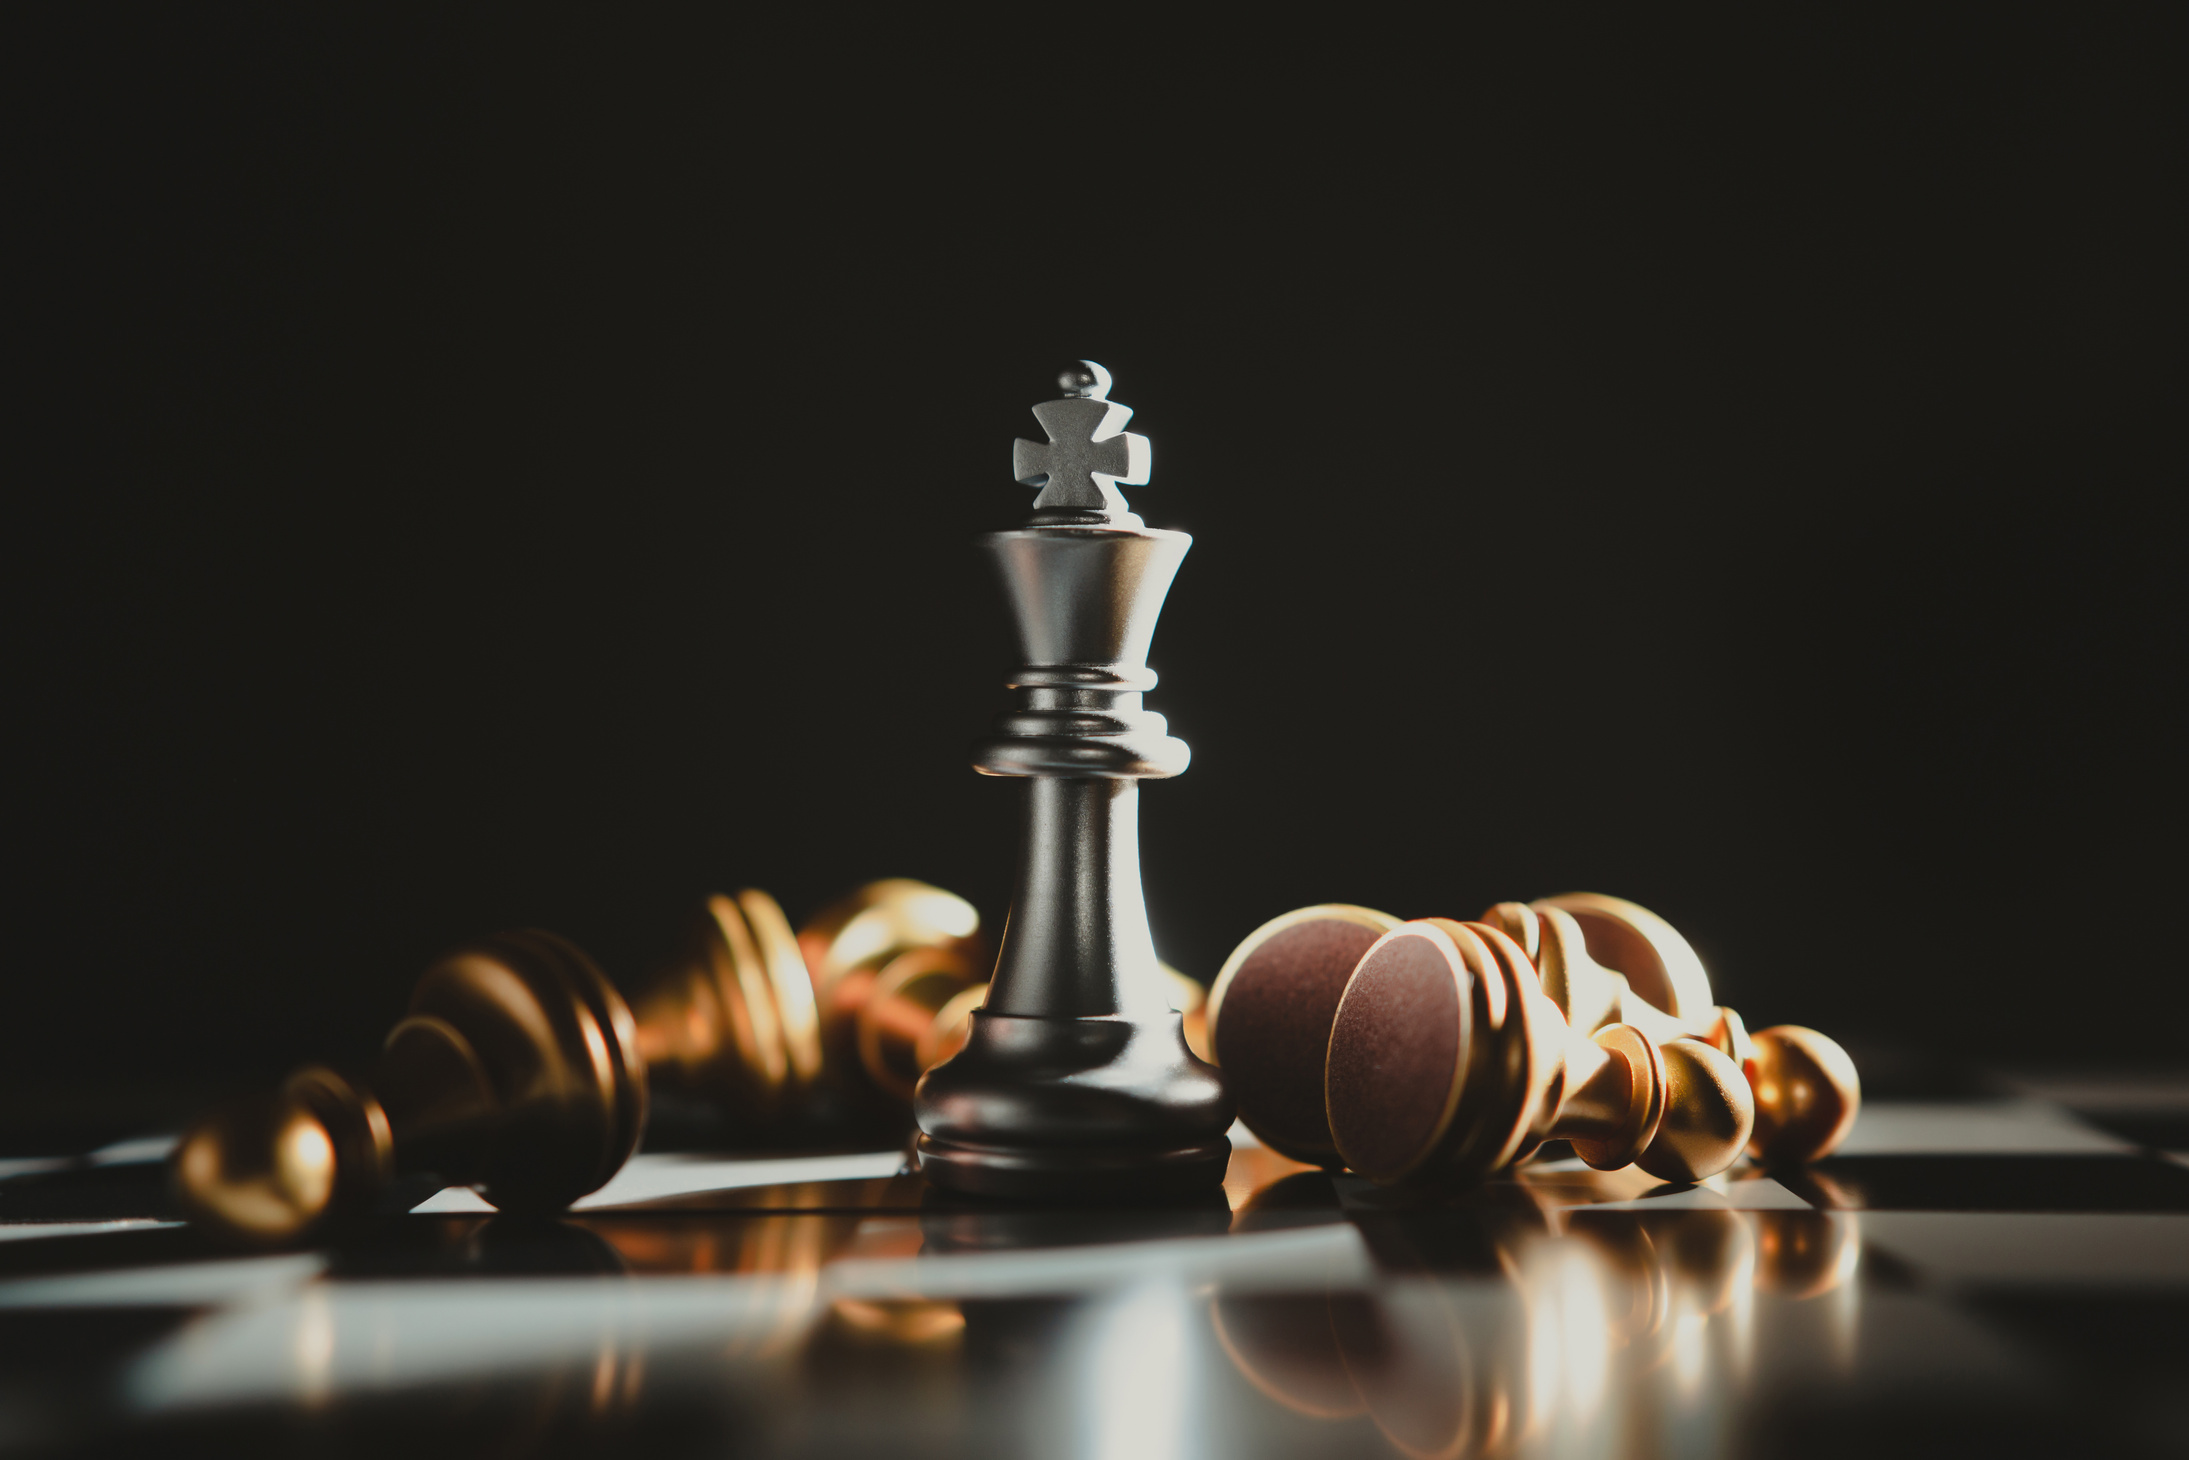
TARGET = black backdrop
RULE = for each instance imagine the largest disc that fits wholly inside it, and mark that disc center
(519, 468)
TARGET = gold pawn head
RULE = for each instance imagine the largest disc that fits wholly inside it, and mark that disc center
(1807, 1095)
(272, 1167)
(1709, 1113)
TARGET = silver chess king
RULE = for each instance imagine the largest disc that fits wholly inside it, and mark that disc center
(1076, 1083)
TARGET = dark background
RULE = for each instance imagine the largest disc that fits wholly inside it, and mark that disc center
(495, 469)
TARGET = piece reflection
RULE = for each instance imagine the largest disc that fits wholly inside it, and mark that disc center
(1583, 1317)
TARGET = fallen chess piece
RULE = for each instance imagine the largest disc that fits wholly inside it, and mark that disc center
(522, 1072)
(772, 1030)
(1447, 1062)
(517, 1071)
(1269, 1018)
(1806, 1089)
(1273, 1012)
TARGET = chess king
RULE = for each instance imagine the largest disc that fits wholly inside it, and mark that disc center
(1075, 1081)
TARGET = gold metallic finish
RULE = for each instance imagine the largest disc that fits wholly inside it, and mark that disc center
(260, 1171)
(738, 1022)
(1709, 1113)
(849, 943)
(1484, 1111)
(902, 1322)
(748, 994)
(1537, 1068)
(1616, 1101)
(1667, 1297)
(778, 1030)
(1802, 1114)
(357, 1125)
(1523, 1075)
(879, 921)
(1657, 961)
(517, 1072)
(1587, 993)
(902, 1011)
(1807, 1095)
(797, 1010)
(1727, 1033)
(951, 1026)
(709, 1025)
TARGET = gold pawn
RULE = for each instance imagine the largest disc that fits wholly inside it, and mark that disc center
(1604, 959)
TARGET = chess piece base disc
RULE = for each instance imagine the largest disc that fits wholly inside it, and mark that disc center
(1075, 1174)
(1105, 1109)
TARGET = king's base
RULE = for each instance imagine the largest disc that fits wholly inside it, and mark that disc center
(1104, 1109)
(1112, 1176)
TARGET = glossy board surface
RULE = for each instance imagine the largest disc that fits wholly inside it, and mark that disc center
(1974, 1275)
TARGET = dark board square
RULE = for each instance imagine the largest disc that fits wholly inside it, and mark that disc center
(89, 1194)
(1994, 1183)
(2162, 1130)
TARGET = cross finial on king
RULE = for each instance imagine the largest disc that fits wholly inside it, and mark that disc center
(1088, 452)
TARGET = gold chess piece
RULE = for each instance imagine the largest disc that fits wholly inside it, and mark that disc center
(517, 1071)
(1601, 960)
(1272, 1014)
(1604, 959)
(780, 1028)
(521, 1071)
(1448, 1062)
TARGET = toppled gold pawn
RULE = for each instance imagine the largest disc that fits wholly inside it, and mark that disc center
(1605, 959)
(1807, 1095)
(517, 1072)
(777, 1031)
(1447, 1062)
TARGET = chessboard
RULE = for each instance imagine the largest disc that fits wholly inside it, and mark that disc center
(1999, 1269)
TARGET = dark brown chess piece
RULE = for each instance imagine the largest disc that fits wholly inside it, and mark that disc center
(1075, 1081)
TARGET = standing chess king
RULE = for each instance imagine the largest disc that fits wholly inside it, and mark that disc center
(1076, 1082)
